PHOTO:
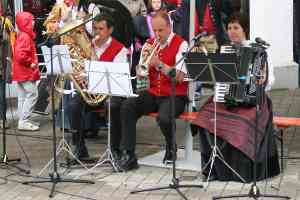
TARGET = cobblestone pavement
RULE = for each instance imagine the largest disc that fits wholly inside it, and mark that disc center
(34, 148)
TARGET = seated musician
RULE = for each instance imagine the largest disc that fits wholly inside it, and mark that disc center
(169, 49)
(235, 126)
(63, 12)
(107, 49)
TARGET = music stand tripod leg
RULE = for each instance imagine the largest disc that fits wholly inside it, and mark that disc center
(254, 190)
(54, 177)
(216, 152)
(4, 158)
(107, 156)
(175, 181)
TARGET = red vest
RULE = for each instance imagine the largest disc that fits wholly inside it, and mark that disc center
(160, 84)
(110, 53)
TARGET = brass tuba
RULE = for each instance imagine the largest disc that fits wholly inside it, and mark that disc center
(80, 49)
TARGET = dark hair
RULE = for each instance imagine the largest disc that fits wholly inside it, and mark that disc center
(149, 5)
(162, 13)
(241, 19)
(105, 17)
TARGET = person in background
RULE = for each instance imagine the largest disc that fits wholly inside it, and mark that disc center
(211, 17)
(25, 70)
(136, 7)
(157, 97)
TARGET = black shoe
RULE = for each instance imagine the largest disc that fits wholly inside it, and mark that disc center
(81, 152)
(91, 134)
(168, 158)
(86, 160)
(128, 162)
(117, 154)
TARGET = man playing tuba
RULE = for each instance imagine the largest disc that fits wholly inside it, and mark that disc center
(107, 49)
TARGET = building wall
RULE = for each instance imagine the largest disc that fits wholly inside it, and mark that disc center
(272, 20)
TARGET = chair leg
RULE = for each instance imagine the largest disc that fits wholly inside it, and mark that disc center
(281, 148)
(280, 138)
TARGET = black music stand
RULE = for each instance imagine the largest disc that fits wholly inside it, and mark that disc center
(4, 45)
(212, 69)
(217, 67)
(175, 183)
(254, 191)
(55, 177)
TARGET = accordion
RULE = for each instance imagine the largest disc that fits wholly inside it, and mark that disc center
(249, 64)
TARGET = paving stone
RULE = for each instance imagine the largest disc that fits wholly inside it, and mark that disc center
(117, 186)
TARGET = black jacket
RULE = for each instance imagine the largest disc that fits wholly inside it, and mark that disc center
(221, 10)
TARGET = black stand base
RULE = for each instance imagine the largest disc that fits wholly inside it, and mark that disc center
(7, 163)
(55, 179)
(174, 185)
(253, 193)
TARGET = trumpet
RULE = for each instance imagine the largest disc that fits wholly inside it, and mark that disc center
(147, 52)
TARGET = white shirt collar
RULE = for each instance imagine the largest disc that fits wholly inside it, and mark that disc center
(100, 50)
(106, 44)
(167, 43)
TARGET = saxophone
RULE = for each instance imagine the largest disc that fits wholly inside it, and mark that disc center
(80, 49)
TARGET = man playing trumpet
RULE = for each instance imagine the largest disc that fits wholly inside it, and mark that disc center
(157, 97)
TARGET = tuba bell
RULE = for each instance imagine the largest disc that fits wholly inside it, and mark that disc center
(80, 48)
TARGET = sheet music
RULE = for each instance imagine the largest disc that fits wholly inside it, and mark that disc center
(109, 78)
(60, 66)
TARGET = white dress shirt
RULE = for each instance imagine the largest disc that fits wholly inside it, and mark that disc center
(120, 57)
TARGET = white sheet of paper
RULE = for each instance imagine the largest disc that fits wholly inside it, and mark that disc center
(63, 50)
(109, 78)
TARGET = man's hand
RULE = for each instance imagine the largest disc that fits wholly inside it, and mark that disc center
(155, 60)
(179, 76)
(33, 65)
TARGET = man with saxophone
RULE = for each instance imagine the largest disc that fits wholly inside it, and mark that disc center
(156, 98)
(108, 49)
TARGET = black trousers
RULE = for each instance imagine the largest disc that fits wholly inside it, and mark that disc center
(133, 108)
(77, 109)
(43, 95)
